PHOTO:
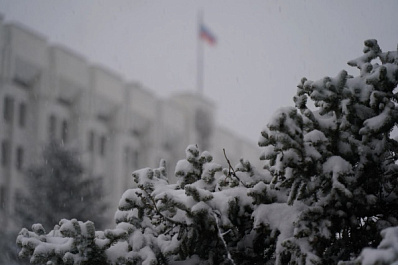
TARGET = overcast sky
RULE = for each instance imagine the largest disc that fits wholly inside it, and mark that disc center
(263, 47)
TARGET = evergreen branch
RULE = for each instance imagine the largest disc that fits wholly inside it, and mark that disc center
(160, 214)
(221, 236)
(231, 171)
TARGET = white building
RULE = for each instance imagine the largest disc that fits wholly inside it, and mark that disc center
(49, 92)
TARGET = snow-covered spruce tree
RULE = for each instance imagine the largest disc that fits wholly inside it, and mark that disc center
(58, 189)
(337, 163)
(204, 219)
(70, 242)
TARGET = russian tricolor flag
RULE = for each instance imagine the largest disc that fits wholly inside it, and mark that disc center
(207, 35)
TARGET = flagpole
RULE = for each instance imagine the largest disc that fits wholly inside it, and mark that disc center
(199, 56)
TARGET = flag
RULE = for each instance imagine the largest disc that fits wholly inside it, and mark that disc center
(206, 35)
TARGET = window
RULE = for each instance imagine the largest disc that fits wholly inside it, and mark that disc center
(64, 131)
(2, 197)
(19, 199)
(126, 156)
(5, 153)
(19, 158)
(91, 140)
(135, 158)
(52, 126)
(131, 157)
(102, 145)
(22, 114)
(8, 108)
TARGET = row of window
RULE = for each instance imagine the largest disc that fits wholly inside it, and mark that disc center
(8, 111)
(8, 115)
(55, 124)
(6, 155)
(131, 155)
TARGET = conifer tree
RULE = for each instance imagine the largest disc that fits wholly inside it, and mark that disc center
(8, 249)
(339, 161)
(57, 188)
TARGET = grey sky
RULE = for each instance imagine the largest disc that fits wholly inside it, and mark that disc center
(264, 47)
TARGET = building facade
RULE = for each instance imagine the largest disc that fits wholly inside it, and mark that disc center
(48, 92)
